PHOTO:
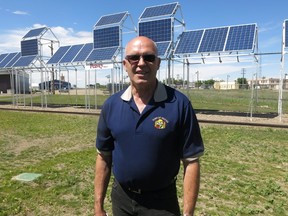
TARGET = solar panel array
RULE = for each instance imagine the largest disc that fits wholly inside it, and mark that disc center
(8, 58)
(157, 30)
(161, 10)
(84, 53)
(81, 53)
(25, 61)
(106, 37)
(163, 48)
(102, 54)
(241, 37)
(111, 19)
(35, 32)
(58, 55)
(286, 33)
(14, 60)
(29, 47)
(233, 38)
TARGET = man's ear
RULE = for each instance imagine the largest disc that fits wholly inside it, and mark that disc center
(159, 63)
(124, 64)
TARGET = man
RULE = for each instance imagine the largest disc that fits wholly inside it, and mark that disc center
(143, 134)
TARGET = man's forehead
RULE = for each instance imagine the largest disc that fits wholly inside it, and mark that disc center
(139, 45)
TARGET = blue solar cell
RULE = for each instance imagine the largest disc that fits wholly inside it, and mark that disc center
(286, 33)
(34, 32)
(189, 42)
(24, 61)
(102, 54)
(29, 47)
(241, 37)
(213, 40)
(161, 10)
(84, 53)
(71, 54)
(106, 37)
(111, 19)
(58, 55)
(158, 30)
(3, 56)
(9, 57)
(12, 62)
(163, 48)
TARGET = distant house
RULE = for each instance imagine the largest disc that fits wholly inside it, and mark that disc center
(226, 85)
(268, 83)
(58, 85)
(14, 83)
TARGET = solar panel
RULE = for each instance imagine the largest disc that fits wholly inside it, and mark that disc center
(15, 59)
(29, 47)
(157, 30)
(3, 56)
(24, 61)
(110, 19)
(161, 10)
(34, 32)
(8, 58)
(84, 53)
(163, 48)
(189, 42)
(58, 55)
(241, 37)
(286, 33)
(71, 54)
(213, 40)
(106, 37)
(102, 54)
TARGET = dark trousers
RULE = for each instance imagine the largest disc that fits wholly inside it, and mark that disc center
(162, 202)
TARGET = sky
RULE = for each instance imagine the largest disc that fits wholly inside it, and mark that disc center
(72, 22)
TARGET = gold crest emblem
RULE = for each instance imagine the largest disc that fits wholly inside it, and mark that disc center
(160, 123)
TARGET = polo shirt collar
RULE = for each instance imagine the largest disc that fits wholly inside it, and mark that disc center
(160, 93)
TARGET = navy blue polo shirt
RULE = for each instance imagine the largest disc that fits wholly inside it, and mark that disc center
(147, 148)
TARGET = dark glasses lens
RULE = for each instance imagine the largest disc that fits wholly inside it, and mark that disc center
(136, 58)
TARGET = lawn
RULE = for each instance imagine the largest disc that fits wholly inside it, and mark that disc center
(244, 169)
(259, 101)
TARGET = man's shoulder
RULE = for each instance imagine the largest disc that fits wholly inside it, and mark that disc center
(114, 98)
(175, 94)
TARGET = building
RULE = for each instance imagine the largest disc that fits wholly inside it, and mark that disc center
(58, 84)
(224, 85)
(14, 83)
(268, 83)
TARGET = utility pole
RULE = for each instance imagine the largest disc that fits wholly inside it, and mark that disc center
(243, 77)
(52, 71)
(197, 73)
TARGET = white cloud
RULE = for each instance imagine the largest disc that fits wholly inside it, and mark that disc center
(20, 12)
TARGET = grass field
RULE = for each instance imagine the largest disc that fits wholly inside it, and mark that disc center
(244, 169)
(259, 101)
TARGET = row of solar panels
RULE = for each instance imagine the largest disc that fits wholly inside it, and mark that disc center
(86, 53)
(11, 60)
(198, 41)
(232, 38)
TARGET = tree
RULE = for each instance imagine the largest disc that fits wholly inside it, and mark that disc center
(242, 82)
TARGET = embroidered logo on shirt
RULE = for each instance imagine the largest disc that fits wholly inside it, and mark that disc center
(160, 122)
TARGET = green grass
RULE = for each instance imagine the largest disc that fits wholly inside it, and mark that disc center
(264, 101)
(244, 169)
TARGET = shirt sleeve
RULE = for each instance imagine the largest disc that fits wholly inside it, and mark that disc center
(191, 138)
(104, 138)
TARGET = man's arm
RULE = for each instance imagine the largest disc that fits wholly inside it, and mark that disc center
(191, 186)
(101, 181)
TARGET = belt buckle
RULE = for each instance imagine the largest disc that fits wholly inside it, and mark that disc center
(138, 191)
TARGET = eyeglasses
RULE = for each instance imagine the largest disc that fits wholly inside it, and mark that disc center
(136, 58)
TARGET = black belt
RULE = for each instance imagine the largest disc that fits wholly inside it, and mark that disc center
(140, 191)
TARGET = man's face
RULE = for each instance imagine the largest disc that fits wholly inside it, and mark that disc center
(141, 61)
